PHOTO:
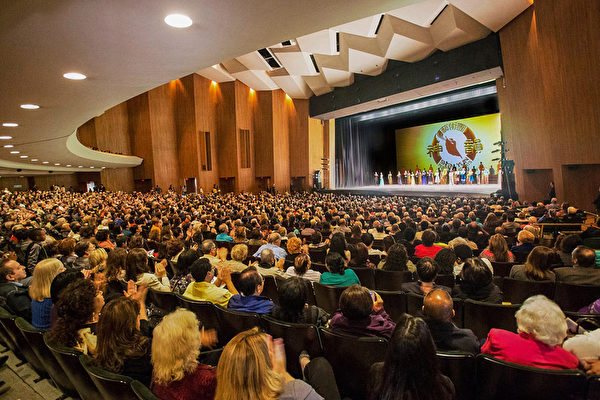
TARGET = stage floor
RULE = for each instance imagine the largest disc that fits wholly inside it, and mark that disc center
(424, 190)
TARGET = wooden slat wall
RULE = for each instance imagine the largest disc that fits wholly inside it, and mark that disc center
(299, 140)
(263, 134)
(43, 182)
(550, 94)
(316, 141)
(245, 103)
(139, 134)
(227, 154)
(87, 134)
(281, 142)
(206, 96)
(9, 183)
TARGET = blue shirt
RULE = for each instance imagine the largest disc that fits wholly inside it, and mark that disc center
(277, 251)
(348, 278)
(223, 237)
(252, 304)
(40, 313)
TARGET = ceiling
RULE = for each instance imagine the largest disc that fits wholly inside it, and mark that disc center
(125, 48)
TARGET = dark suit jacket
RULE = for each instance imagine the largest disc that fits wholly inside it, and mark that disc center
(448, 336)
(578, 275)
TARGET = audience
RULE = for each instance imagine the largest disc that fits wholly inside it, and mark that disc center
(427, 271)
(251, 285)
(497, 250)
(428, 248)
(293, 307)
(524, 245)
(537, 267)
(138, 271)
(202, 289)
(39, 291)
(302, 269)
(337, 274)
(476, 283)
(583, 271)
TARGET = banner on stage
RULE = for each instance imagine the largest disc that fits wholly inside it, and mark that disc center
(466, 142)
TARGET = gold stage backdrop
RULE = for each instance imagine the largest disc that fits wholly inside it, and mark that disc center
(468, 141)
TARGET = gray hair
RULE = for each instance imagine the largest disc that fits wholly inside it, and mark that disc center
(543, 318)
(273, 238)
(207, 246)
(267, 257)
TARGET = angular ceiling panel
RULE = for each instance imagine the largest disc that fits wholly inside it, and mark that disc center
(293, 85)
(318, 84)
(294, 61)
(254, 61)
(362, 27)
(216, 73)
(420, 13)
(322, 42)
(336, 77)
(257, 80)
(453, 28)
(489, 14)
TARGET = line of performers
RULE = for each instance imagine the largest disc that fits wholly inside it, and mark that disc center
(452, 175)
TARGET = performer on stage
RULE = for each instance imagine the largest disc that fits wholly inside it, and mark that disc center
(500, 172)
(406, 177)
(399, 178)
(424, 177)
(486, 176)
(417, 177)
(390, 178)
(412, 178)
(381, 182)
(376, 178)
(438, 178)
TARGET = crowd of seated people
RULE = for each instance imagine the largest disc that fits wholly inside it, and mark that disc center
(80, 266)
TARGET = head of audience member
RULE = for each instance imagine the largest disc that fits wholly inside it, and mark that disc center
(208, 248)
(274, 239)
(475, 274)
(524, 237)
(409, 234)
(97, 259)
(174, 247)
(43, 274)
(11, 271)
(176, 342)
(75, 308)
(337, 244)
(250, 282)
(66, 247)
(438, 306)
(185, 261)
(239, 234)
(239, 252)
(115, 264)
(428, 237)
(569, 243)
(37, 235)
(136, 264)
(102, 235)
(202, 270)
(83, 248)
(267, 258)
(396, 259)
(61, 281)
(446, 260)
(335, 263)
(359, 254)
(292, 299)
(247, 351)
(542, 318)
(462, 252)
(302, 264)
(356, 303)
(539, 263)
(367, 239)
(584, 256)
(316, 238)
(499, 248)
(118, 333)
(388, 242)
(411, 344)
(294, 246)
(427, 269)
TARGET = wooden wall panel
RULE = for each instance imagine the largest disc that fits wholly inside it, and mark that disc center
(281, 142)
(14, 183)
(206, 95)
(581, 182)
(550, 94)
(245, 103)
(86, 134)
(299, 140)
(140, 137)
(187, 137)
(43, 182)
(117, 179)
(227, 154)
(161, 105)
(263, 134)
(538, 182)
(315, 142)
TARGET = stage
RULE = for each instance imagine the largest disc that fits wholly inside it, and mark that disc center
(421, 190)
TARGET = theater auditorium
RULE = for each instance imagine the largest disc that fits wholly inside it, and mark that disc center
(299, 200)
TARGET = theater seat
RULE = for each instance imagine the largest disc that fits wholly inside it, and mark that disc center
(141, 391)
(502, 268)
(517, 291)
(351, 358)
(500, 380)
(296, 337)
(68, 359)
(111, 385)
(394, 303)
(35, 339)
(270, 289)
(205, 312)
(210, 357)
(233, 322)
(365, 276)
(480, 317)
(460, 368)
(8, 322)
(573, 297)
(391, 280)
(166, 301)
(327, 297)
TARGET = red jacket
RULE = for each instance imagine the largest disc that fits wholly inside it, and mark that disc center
(424, 251)
(524, 349)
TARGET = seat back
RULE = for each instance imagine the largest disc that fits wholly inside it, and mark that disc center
(445, 280)
(166, 301)
(321, 267)
(233, 322)
(111, 385)
(141, 391)
(502, 268)
(297, 337)
(35, 339)
(460, 368)
(310, 293)
(375, 258)
(210, 357)
(480, 317)
(7, 335)
(351, 358)
(270, 289)
(391, 280)
(593, 392)
(394, 303)
(317, 255)
(327, 297)
(205, 312)
(69, 361)
(414, 304)
(365, 276)
(573, 297)
(517, 291)
(8, 322)
(498, 379)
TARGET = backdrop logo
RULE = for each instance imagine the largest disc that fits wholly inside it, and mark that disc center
(453, 144)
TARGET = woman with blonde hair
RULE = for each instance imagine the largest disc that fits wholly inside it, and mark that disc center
(294, 248)
(537, 267)
(497, 250)
(177, 374)
(39, 291)
(97, 264)
(252, 367)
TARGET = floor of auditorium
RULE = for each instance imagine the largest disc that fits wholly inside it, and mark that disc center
(21, 379)
(424, 190)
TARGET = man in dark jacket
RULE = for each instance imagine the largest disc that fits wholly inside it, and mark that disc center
(438, 309)
(13, 293)
(250, 285)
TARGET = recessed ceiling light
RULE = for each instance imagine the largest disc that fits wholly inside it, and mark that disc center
(68, 165)
(178, 20)
(80, 166)
(5, 137)
(30, 106)
(34, 159)
(76, 76)
(10, 124)
(57, 164)
(44, 162)
(8, 146)
(14, 152)
(23, 156)
(91, 166)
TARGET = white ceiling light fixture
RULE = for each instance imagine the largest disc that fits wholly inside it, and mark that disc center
(80, 166)
(14, 152)
(57, 164)
(10, 124)
(68, 165)
(33, 159)
(91, 166)
(5, 137)
(178, 20)
(23, 156)
(30, 106)
(44, 162)
(75, 76)
(8, 146)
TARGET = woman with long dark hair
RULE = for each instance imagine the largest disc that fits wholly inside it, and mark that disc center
(410, 369)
